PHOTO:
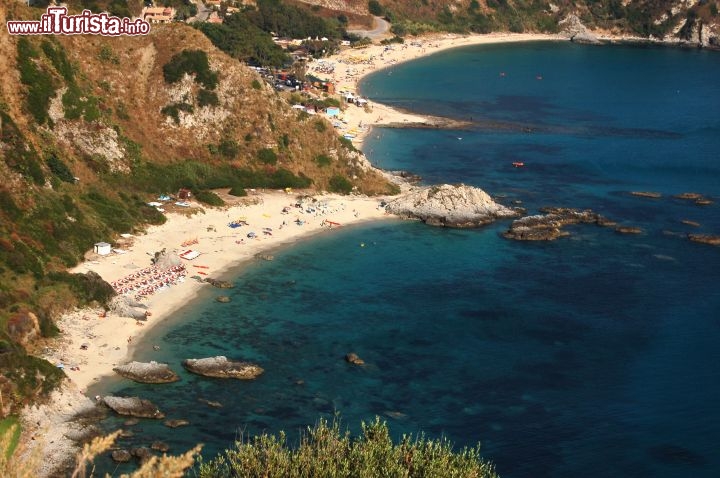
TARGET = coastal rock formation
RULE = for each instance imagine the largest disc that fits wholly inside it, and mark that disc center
(160, 446)
(574, 29)
(142, 453)
(152, 372)
(223, 299)
(449, 206)
(712, 239)
(689, 196)
(628, 230)
(121, 456)
(124, 306)
(548, 226)
(220, 284)
(176, 422)
(133, 406)
(210, 403)
(221, 367)
(354, 359)
(646, 194)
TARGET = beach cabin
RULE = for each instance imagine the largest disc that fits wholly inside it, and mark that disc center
(102, 248)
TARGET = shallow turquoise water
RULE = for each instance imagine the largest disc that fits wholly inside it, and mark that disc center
(594, 355)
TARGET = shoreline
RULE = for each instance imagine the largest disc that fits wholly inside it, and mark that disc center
(221, 254)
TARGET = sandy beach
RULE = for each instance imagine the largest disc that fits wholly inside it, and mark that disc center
(92, 344)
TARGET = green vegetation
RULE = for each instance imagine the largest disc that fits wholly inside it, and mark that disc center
(5, 425)
(320, 126)
(347, 143)
(207, 98)
(209, 198)
(322, 160)
(41, 87)
(173, 110)
(191, 62)
(267, 156)
(291, 21)
(340, 184)
(326, 451)
(256, 85)
(237, 191)
(229, 148)
(375, 8)
(242, 40)
(60, 169)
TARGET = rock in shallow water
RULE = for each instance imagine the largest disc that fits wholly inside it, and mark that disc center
(449, 206)
(221, 367)
(354, 359)
(121, 456)
(152, 372)
(133, 406)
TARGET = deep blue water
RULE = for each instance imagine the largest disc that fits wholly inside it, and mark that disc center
(594, 355)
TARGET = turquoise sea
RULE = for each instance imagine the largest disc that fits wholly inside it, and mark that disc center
(595, 355)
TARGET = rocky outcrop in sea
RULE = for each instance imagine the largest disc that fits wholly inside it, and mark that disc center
(449, 206)
(143, 372)
(548, 226)
(133, 406)
(221, 367)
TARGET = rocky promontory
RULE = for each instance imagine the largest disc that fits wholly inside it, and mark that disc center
(133, 406)
(221, 367)
(449, 206)
(143, 372)
(548, 226)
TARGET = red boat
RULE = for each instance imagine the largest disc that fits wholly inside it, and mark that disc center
(518, 164)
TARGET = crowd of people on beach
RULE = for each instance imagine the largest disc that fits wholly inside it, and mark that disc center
(147, 281)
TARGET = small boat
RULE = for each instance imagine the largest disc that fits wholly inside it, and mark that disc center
(518, 164)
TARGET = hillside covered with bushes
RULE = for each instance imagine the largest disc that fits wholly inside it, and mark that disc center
(92, 128)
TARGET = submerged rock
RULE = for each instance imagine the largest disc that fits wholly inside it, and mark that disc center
(449, 206)
(354, 359)
(628, 230)
(223, 299)
(220, 284)
(160, 446)
(210, 403)
(646, 194)
(712, 239)
(142, 453)
(152, 372)
(121, 456)
(548, 227)
(133, 406)
(689, 196)
(221, 367)
(176, 422)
